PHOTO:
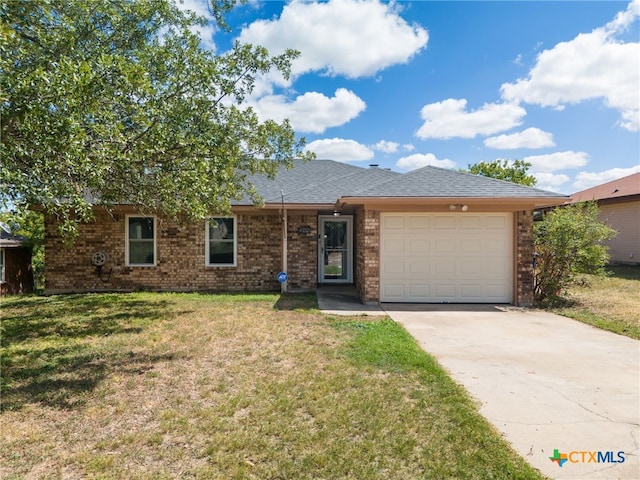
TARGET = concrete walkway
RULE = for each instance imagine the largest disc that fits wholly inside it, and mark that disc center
(544, 381)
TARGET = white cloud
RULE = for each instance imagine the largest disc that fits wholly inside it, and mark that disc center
(557, 161)
(386, 146)
(592, 65)
(449, 119)
(529, 138)
(340, 149)
(408, 147)
(418, 160)
(586, 180)
(550, 181)
(312, 112)
(340, 37)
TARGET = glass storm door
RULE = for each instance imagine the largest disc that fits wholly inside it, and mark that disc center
(335, 250)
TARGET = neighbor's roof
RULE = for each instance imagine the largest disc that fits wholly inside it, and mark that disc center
(326, 181)
(622, 187)
(7, 239)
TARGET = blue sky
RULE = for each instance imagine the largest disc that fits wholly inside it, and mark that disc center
(414, 83)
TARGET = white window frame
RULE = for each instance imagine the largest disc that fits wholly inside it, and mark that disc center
(235, 242)
(3, 266)
(127, 241)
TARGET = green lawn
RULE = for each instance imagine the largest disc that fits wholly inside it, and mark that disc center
(152, 386)
(611, 303)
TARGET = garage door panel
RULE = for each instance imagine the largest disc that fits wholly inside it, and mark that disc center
(471, 292)
(394, 247)
(443, 246)
(395, 291)
(418, 291)
(444, 269)
(419, 246)
(496, 222)
(393, 222)
(442, 222)
(473, 268)
(445, 291)
(470, 247)
(393, 267)
(495, 246)
(420, 267)
(467, 223)
(419, 221)
(459, 257)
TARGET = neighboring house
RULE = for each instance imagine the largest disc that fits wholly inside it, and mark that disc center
(430, 235)
(619, 203)
(16, 275)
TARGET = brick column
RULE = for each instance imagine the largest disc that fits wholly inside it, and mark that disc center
(368, 255)
(524, 252)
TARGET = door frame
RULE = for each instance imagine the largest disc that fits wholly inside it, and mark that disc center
(348, 219)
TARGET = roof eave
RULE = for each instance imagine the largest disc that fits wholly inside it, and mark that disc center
(511, 201)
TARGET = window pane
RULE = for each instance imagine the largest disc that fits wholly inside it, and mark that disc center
(140, 228)
(221, 229)
(141, 252)
(221, 252)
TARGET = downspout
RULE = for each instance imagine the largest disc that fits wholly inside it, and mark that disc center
(285, 254)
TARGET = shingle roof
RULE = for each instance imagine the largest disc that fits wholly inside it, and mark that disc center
(326, 181)
(622, 187)
(439, 182)
(317, 181)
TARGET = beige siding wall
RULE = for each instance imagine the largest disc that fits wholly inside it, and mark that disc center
(625, 218)
(180, 264)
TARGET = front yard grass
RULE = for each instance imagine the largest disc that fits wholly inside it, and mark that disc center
(142, 386)
(611, 303)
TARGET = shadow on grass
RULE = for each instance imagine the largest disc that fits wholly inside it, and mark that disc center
(297, 301)
(76, 316)
(628, 272)
(54, 351)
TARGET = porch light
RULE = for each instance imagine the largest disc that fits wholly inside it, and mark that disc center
(336, 213)
(453, 207)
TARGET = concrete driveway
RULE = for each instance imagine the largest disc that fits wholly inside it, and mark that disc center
(545, 382)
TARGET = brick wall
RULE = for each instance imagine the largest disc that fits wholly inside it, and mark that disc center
(180, 262)
(367, 258)
(524, 259)
(302, 258)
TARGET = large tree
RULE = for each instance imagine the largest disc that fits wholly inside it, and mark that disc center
(108, 102)
(516, 171)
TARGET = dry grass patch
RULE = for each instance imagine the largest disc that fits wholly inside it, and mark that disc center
(611, 303)
(202, 386)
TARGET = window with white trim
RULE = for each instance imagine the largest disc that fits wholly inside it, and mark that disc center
(141, 241)
(221, 246)
(1, 265)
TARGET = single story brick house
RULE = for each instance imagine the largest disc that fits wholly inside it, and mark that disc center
(429, 235)
(16, 275)
(619, 203)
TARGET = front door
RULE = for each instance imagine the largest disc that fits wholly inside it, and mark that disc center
(335, 262)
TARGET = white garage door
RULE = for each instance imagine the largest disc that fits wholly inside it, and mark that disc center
(431, 257)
